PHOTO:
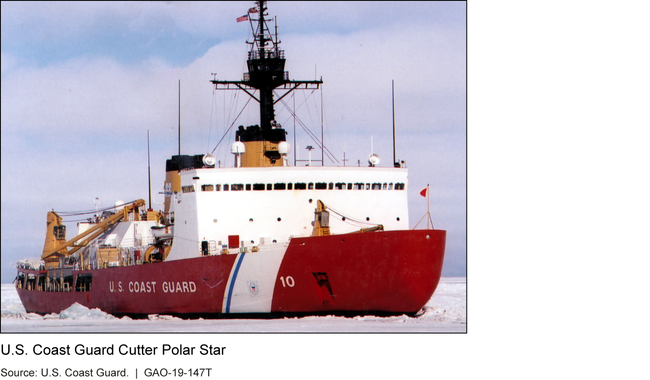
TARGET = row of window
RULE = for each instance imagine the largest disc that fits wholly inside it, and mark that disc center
(297, 186)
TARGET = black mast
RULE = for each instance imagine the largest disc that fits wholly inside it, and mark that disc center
(265, 73)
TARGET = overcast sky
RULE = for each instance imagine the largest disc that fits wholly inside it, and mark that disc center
(83, 82)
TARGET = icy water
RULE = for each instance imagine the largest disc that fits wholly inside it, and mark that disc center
(445, 312)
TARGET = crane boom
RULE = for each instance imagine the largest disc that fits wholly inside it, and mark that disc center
(55, 244)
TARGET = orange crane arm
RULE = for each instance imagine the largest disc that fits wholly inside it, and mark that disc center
(83, 239)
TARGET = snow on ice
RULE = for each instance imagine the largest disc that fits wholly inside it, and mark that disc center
(445, 312)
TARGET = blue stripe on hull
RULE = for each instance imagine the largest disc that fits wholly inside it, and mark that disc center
(232, 281)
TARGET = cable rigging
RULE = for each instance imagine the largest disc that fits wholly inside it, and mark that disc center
(85, 212)
(348, 219)
(329, 154)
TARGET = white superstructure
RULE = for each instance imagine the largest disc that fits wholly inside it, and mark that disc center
(265, 206)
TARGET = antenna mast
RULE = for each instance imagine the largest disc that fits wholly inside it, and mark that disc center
(149, 169)
(179, 118)
(265, 73)
(395, 164)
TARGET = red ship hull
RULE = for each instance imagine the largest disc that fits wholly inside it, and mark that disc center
(390, 272)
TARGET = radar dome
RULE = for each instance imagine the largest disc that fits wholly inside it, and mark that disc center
(238, 147)
(284, 147)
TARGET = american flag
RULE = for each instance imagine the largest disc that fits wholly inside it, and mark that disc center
(253, 10)
(242, 18)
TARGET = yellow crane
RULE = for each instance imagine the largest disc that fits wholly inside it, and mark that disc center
(56, 246)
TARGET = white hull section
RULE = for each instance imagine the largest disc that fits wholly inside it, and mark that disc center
(252, 281)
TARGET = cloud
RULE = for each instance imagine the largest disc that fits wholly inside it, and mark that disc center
(8, 63)
(75, 128)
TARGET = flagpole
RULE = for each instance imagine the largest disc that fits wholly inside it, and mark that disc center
(425, 193)
(428, 213)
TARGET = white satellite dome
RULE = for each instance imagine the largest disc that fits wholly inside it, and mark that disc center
(284, 147)
(238, 147)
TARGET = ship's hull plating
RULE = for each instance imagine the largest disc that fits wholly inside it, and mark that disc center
(390, 272)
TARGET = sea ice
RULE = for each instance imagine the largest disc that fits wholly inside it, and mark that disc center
(77, 311)
(445, 312)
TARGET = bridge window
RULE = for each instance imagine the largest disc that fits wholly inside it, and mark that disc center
(207, 187)
(300, 186)
(280, 186)
(376, 186)
(321, 186)
(226, 187)
(188, 189)
(237, 187)
(259, 186)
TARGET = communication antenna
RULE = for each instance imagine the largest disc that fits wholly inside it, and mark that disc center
(209, 159)
(395, 163)
(373, 158)
(97, 207)
(149, 167)
(179, 118)
(309, 148)
(322, 137)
